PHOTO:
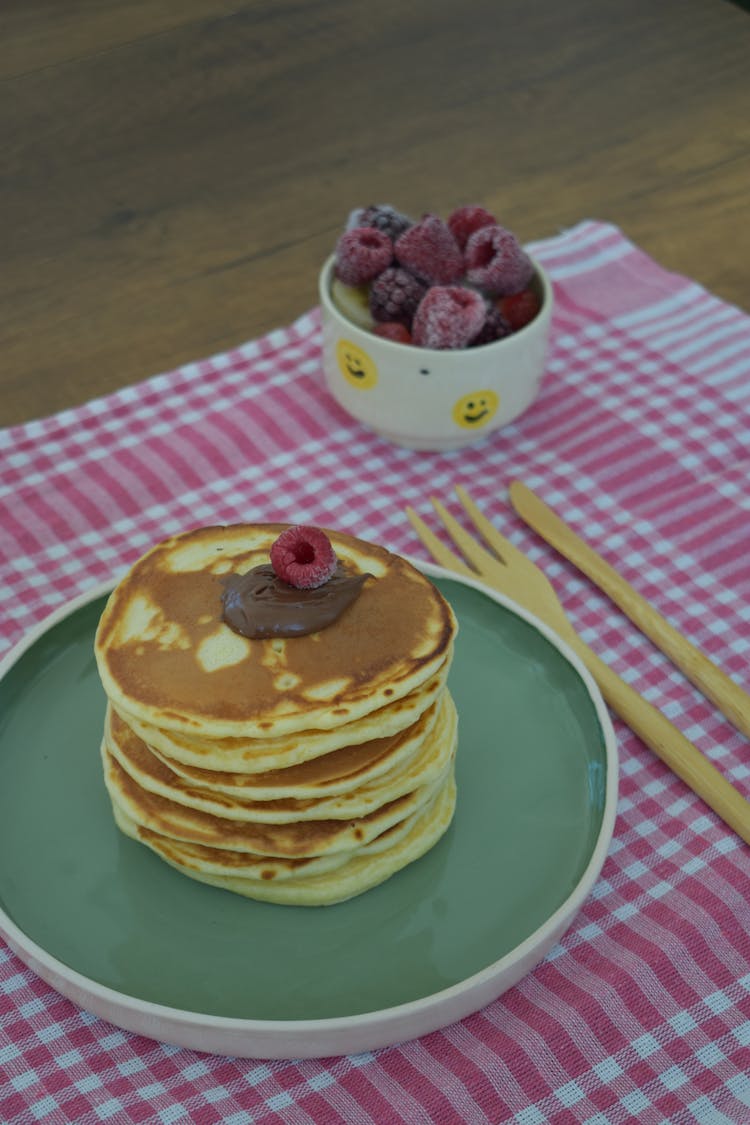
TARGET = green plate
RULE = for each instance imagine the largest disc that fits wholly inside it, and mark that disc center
(119, 931)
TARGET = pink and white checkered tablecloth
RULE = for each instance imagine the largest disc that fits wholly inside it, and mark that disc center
(641, 439)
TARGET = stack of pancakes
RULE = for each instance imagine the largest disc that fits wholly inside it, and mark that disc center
(302, 769)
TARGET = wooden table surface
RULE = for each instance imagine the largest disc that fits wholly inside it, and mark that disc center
(173, 174)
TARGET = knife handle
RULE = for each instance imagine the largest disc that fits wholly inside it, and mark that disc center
(723, 692)
(668, 743)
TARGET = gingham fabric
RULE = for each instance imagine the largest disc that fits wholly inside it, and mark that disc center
(641, 440)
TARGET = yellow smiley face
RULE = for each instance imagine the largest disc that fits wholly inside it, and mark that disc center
(475, 410)
(356, 365)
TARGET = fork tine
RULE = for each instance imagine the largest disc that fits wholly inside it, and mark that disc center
(437, 549)
(502, 546)
(473, 551)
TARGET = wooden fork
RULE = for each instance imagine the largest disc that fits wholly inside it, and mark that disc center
(508, 570)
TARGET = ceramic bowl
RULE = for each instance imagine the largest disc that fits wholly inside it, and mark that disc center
(427, 399)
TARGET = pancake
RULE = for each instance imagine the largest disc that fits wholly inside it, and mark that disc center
(259, 755)
(331, 773)
(303, 763)
(166, 657)
(292, 839)
(430, 754)
(225, 861)
(304, 884)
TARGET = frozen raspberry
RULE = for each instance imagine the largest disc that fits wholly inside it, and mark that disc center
(392, 330)
(303, 557)
(383, 217)
(496, 262)
(448, 317)
(429, 250)
(519, 308)
(361, 254)
(495, 327)
(395, 294)
(465, 220)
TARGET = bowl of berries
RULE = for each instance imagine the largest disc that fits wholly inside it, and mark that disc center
(435, 331)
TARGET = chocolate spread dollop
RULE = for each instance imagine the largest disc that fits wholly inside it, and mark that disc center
(259, 604)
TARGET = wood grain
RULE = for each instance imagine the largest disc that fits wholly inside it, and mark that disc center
(173, 175)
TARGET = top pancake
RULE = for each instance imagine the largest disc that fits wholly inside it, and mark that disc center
(166, 657)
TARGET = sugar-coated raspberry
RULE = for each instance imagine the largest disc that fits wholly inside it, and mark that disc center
(448, 317)
(361, 254)
(429, 250)
(496, 261)
(519, 309)
(395, 294)
(303, 557)
(495, 327)
(393, 330)
(465, 220)
(383, 217)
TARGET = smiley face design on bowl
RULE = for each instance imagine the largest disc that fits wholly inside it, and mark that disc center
(356, 365)
(475, 409)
